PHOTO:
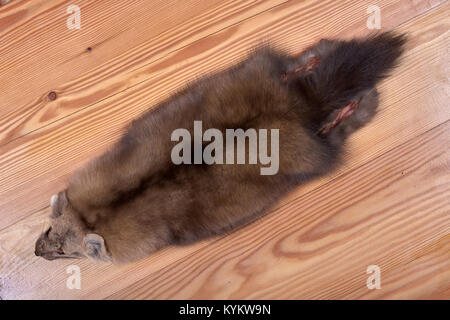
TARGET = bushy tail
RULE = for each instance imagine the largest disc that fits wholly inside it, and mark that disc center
(350, 67)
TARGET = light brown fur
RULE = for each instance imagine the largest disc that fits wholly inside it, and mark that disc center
(133, 200)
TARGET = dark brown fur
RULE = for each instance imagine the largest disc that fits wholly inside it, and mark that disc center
(133, 200)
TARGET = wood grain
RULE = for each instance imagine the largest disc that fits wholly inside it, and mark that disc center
(57, 60)
(52, 153)
(35, 63)
(387, 205)
(392, 211)
(376, 214)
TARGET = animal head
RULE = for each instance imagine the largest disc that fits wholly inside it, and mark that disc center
(67, 237)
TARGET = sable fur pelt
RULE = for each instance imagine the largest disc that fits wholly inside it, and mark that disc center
(132, 200)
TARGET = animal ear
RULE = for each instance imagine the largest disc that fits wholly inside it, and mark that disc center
(57, 203)
(95, 247)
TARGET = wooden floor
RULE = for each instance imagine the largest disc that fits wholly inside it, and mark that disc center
(66, 95)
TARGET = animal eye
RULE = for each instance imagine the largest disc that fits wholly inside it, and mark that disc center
(60, 251)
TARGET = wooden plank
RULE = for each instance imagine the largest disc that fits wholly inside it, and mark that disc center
(405, 226)
(39, 54)
(392, 211)
(35, 166)
(52, 58)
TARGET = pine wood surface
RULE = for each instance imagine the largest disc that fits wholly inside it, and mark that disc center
(387, 205)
